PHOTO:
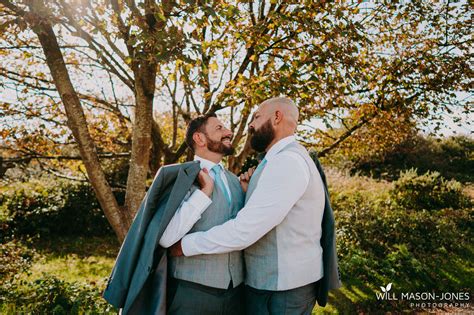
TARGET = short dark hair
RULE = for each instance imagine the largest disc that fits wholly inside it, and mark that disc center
(196, 125)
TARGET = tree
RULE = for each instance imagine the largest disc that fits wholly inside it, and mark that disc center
(356, 67)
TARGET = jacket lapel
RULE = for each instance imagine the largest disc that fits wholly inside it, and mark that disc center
(184, 180)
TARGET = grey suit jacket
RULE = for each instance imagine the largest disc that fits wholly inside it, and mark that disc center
(138, 280)
(332, 278)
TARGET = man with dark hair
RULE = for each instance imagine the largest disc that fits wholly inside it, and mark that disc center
(199, 125)
(206, 284)
(186, 197)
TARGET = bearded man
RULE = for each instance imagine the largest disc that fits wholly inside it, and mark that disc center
(206, 284)
(187, 197)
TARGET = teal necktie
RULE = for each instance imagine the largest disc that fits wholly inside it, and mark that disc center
(219, 182)
(258, 170)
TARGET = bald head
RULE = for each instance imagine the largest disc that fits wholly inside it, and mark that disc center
(284, 105)
(275, 119)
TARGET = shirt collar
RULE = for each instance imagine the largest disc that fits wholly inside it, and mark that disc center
(277, 147)
(205, 163)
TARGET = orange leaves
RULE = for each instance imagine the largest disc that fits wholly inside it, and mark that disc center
(4, 133)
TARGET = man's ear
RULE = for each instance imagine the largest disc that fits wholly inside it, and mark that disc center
(199, 139)
(278, 117)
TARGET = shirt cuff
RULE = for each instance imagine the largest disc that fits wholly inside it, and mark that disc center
(188, 245)
(199, 200)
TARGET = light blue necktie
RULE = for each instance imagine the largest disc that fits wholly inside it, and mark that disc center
(219, 182)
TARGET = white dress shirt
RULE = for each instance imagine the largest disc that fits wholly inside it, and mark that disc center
(282, 183)
(190, 210)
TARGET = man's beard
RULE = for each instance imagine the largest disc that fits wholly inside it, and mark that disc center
(262, 137)
(219, 147)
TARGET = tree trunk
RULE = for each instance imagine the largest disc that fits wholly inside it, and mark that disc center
(145, 76)
(158, 150)
(156, 156)
(76, 120)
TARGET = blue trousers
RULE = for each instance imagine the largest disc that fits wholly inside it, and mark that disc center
(189, 298)
(290, 302)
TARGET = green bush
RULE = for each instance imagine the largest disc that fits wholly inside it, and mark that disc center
(380, 242)
(15, 258)
(37, 208)
(50, 295)
(429, 191)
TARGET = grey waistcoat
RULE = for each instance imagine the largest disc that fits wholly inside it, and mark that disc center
(218, 269)
(290, 255)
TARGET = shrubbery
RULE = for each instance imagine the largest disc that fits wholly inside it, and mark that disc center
(49, 295)
(429, 191)
(395, 237)
(48, 210)
(63, 209)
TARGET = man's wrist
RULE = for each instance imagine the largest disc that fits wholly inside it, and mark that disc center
(207, 191)
(200, 199)
(187, 245)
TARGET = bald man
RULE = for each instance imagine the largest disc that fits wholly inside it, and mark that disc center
(280, 224)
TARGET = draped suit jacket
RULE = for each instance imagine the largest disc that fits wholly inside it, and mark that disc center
(137, 283)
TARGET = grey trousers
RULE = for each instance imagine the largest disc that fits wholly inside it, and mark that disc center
(189, 298)
(290, 302)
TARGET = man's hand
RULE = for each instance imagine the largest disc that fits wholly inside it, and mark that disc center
(206, 182)
(176, 250)
(245, 178)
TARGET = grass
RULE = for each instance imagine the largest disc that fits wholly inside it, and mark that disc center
(73, 268)
(339, 180)
(81, 246)
(78, 259)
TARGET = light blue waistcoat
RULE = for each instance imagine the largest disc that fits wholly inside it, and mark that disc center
(218, 269)
(290, 255)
